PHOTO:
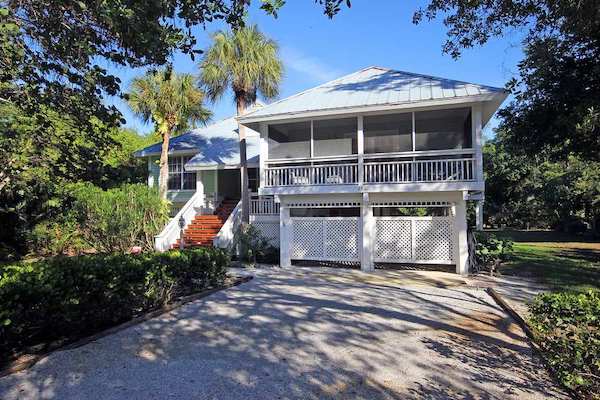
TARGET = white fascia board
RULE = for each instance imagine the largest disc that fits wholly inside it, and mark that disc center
(422, 187)
(464, 100)
(218, 166)
(171, 153)
(308, 189)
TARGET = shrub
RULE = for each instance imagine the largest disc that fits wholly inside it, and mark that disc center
(253, 246)
(65, 297)
(567, 326)
(118, 219)
(491, 249)
(56, 237)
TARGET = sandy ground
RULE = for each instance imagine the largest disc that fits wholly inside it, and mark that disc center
(307, 334)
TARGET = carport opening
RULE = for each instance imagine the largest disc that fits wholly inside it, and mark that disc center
(328, 264)
(416, 267)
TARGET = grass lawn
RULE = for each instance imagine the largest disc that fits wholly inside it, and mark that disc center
(564, 262)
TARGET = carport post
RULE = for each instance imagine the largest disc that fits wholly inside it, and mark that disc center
(461, 255)
(285, 224)
(367, 223)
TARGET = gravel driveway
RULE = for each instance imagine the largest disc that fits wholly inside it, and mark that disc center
(304, 334)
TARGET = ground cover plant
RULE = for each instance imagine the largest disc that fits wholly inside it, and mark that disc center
(65, 298)
(567, 326)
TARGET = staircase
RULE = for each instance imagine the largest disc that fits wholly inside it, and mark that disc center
(203, 229)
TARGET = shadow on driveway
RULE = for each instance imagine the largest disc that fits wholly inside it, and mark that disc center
(299, 335)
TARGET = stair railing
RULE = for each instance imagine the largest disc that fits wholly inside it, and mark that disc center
(224, 238)
(169, 235)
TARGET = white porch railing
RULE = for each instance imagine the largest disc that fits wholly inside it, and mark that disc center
(169, 235)
(375, 170)
(264, 206)
(462, 169)
(326, 174)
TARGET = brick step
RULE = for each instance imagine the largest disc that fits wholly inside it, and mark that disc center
(203, 229)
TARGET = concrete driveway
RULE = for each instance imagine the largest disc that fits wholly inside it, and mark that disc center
(306, 334)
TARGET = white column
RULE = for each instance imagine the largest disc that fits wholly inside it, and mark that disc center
(479, 215)
(200, 190)
(477, 140)
(285, 225)
(264, 153)
(461, 254)
(150, 172)
(367, 223)
(361, 149)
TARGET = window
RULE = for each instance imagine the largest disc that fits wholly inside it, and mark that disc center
(289, 140)
(388, 133)
(253, 179)
(443, 129)
(335, 137)
(179, 179)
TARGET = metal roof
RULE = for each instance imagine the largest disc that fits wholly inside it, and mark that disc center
(375, 86)
(213, 145)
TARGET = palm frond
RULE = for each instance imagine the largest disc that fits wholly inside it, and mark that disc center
(244, 60)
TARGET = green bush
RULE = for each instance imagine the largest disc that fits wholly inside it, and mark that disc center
(491, 249)
(118, 219)
(60, 236)
(567, 326)
(66, 297)
(253, 246)
(113, 220)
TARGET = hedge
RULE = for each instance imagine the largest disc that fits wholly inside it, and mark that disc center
(68, 297)
(567, 326)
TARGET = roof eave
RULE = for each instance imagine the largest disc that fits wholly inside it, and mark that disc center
(143, 154)
(499, 97)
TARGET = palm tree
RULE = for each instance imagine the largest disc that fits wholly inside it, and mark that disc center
(173, 102)
(247, 62)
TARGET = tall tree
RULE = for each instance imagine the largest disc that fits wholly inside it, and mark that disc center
(248, 63)
(171, 101)
(557, 93)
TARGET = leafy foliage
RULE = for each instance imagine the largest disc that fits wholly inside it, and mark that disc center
(118, 219)
(253, 246)
(557, 96)
(491, 249)
(534, 191)
(245, 61)
(567, 326)
(35, 171)
(66, 297)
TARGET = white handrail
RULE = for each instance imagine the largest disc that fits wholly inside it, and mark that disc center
(224, 238)
(169, 235)
(264, 206)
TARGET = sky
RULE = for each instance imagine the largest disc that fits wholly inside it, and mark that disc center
(315, 49)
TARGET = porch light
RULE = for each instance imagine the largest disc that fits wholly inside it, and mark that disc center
(181, 226)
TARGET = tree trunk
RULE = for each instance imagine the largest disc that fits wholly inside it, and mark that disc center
(163, 177)
(241, 109)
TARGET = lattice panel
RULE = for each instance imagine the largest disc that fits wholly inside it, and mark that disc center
(393, 239)
(307, 239)
(269, 230)
(341, 239)
(433, 239)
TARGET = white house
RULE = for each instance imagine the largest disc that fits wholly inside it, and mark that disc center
(373, 168)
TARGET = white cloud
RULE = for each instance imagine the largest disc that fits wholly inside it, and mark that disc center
(312, 67)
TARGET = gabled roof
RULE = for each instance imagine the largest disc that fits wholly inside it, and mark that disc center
(213, 145)
(372, 87)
